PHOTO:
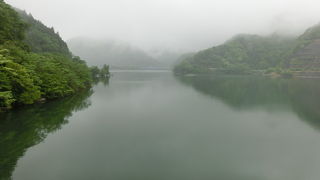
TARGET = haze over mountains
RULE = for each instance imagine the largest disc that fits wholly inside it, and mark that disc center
(117, 54)
(253, 52)
(186, 25)
(153, 31)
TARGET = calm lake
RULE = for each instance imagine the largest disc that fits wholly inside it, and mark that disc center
(150, 125)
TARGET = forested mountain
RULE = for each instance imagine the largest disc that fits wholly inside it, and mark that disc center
(11, 27)
(26, 77)
(306, 55)
(239, 54)
(116, 54)
(42, 39)
(244, 53)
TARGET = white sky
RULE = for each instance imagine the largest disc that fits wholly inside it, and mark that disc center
(185, 25)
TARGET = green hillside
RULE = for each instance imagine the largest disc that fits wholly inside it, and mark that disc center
(26, 76)
(247, 53)
(306, 56)
(240, 54)
(42, 39)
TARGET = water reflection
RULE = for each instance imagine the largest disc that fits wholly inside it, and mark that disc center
(149, 126)
(244, 93)
(24, 128)
(104, 81)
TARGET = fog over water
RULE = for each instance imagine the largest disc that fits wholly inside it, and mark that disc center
(176, 25)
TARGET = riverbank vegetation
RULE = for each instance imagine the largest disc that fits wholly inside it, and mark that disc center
(35, 63)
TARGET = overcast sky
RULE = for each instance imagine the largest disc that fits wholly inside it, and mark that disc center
(186, 25)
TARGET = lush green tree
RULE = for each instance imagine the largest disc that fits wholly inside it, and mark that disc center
(17, 84)
(104, 72)
(25, 76)
(95, 72)
(11, 26)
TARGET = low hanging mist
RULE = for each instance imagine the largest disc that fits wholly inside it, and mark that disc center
(148, 33)
(172, 25)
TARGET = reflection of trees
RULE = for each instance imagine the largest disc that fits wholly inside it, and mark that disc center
(103, 80)
(27, 127)
(245, 92)
(305, 100)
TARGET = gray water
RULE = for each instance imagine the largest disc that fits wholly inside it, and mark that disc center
(150, 125)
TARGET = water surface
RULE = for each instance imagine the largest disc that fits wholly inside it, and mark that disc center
(153, 126)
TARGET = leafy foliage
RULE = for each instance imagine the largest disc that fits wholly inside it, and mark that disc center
(104, 72)
(62, 76)
(26, 77)
(11, 27)
(17, 84)
(100, 73)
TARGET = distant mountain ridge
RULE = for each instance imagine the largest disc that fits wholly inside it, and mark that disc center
(116, 54)
(253, 52)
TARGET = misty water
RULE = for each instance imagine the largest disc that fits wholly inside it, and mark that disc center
(154, 126)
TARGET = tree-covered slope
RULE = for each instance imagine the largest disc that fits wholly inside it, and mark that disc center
(42, 39)
(27, 77)
(251, 52)
(306, 55)
(11, 27)
(239, 54)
